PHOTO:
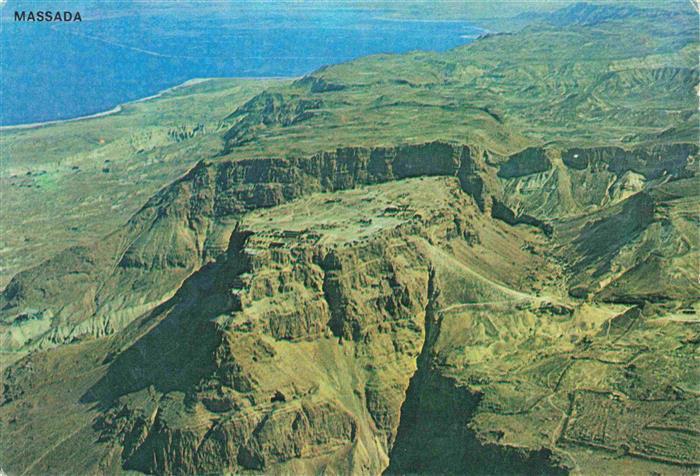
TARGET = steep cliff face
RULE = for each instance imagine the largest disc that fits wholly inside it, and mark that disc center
(80, 291)
(293, 351)
(361, 298)
(565, 182)
(336, 333)
(481, 261)
(439, 410)
(310, 322)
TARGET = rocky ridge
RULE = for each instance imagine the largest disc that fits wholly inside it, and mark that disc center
(302, 305)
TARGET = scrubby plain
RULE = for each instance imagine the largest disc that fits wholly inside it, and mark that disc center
(74, 182)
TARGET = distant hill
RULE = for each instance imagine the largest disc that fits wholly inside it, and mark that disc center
(504, 15)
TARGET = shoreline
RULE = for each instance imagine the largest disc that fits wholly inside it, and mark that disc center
(116, 109)
(35, 125)
(120, 107)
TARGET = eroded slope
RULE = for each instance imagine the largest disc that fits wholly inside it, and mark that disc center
(314, 320)
(472, 262)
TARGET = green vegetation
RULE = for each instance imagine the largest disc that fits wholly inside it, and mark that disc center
(476, 262)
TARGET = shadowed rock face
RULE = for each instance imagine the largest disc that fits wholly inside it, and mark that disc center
(438, 411)
(335, 341)
(499, 276)
(205, 380)
(181, 228)
(308, 293)
(528, 162)
(280, 352)
(184, 226)
(652, 162)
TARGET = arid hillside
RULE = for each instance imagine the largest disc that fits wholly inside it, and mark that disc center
(483, 261)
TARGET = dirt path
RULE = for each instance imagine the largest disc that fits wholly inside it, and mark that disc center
(556, 435)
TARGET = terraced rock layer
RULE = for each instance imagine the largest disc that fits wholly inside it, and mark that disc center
(483, 260)
(80, 291)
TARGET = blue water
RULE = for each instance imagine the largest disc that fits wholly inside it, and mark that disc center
(123, 51)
